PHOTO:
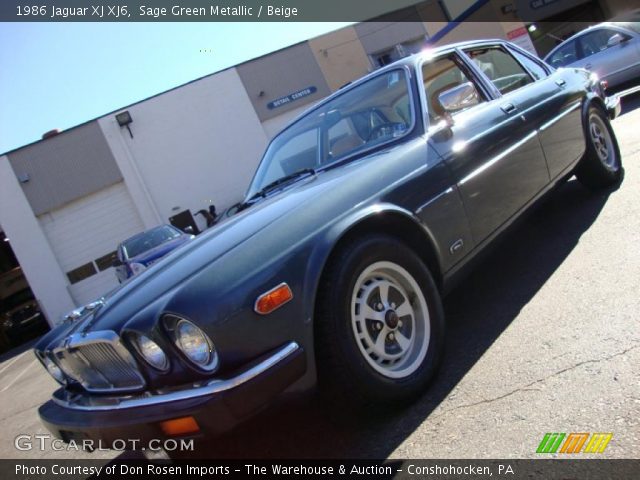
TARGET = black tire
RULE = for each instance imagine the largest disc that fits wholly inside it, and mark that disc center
(346, 375)
(601, 165)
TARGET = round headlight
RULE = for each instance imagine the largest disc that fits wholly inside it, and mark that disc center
(195, 344)
(151, 352)
(54, 370)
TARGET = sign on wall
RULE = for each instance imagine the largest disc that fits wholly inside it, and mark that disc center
(292, 97)
(520, 36)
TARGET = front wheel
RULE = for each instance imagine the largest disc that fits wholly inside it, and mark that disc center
(601, 165)
(379, 328)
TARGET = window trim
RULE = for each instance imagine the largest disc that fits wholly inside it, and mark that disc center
(501, 46)
(466, 69)
(531, 57)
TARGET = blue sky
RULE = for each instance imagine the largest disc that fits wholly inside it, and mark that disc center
(57, 75)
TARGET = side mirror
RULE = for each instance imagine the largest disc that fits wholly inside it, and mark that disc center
(459, 97)
(615, 39)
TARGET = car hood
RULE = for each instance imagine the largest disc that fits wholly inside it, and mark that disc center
(160, 251)
(170, 272)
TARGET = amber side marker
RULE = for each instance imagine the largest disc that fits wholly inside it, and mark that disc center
(273, 299)
(180, 426)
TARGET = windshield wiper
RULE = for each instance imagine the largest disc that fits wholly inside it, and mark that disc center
(280, 181)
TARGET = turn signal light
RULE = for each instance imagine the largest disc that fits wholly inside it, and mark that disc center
(180, 426)
(273, 299)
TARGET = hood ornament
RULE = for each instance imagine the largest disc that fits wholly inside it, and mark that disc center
(81, 312)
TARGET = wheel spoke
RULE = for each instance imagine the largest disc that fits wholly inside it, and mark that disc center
(367, 312)
(380, 342)
(404, 309)
(403, 341)
(383, 289)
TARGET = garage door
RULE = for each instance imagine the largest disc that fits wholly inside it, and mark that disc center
(84, 233)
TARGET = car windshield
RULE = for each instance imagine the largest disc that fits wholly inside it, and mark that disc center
(371, 114)
(148, 240)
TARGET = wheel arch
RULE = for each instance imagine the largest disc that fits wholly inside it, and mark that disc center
(591, 100)
(384, 219)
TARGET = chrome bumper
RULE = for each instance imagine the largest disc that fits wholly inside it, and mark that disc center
(105, 403)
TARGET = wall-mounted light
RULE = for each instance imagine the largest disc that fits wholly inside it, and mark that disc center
(124, 120)
(261, 93)
(24, 177)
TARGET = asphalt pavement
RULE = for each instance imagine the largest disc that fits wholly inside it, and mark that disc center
(542, 337)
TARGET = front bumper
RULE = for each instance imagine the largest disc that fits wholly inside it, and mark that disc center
(217, 406)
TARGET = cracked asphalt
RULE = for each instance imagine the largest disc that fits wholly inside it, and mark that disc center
(542, 337)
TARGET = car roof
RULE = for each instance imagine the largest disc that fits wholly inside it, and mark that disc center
(409, 61)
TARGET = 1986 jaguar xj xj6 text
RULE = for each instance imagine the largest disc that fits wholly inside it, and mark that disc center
(361, 215)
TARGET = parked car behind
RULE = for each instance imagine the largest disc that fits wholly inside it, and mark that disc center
(362, 214)
(137, 253)
(610, 50)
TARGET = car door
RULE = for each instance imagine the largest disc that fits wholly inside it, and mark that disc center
(493, 153)
(555, 112)
(609, 53)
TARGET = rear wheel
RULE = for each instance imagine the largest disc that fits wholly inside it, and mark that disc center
(379, 327)
(601, 165)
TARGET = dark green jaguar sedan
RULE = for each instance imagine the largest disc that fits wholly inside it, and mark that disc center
(361, 216)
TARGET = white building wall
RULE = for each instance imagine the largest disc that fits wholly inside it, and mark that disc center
(193, 146)
(88, 228)
(31, 248)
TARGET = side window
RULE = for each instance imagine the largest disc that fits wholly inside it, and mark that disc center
(502, 69)
(564, 55)
(534, 67)
(343, 138)
(442, 79)
(596, 41)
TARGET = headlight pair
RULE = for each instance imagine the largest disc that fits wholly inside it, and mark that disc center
(188, 338)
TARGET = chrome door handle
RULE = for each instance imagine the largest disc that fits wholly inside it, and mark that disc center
(508, 108)
(561, 82)
(588, 66)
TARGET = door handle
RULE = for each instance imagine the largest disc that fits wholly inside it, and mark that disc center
(588, 66)
(508, 108)
(561, 82)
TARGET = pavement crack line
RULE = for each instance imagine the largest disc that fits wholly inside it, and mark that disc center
(529, 387)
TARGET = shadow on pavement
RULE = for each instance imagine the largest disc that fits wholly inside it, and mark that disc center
(630, 103)
(477, 313)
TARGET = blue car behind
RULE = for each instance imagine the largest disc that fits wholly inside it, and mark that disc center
(137, 253)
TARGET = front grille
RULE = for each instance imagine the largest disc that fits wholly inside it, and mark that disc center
(99, 362)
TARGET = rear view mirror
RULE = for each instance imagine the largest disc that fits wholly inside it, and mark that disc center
(459, 97)
(615, 39)
(188, 229)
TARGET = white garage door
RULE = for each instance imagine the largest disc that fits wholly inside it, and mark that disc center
(84, 231)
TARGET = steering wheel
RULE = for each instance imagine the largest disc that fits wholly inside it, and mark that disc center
(378, 128)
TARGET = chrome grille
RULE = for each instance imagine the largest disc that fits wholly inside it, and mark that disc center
(100, 362)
